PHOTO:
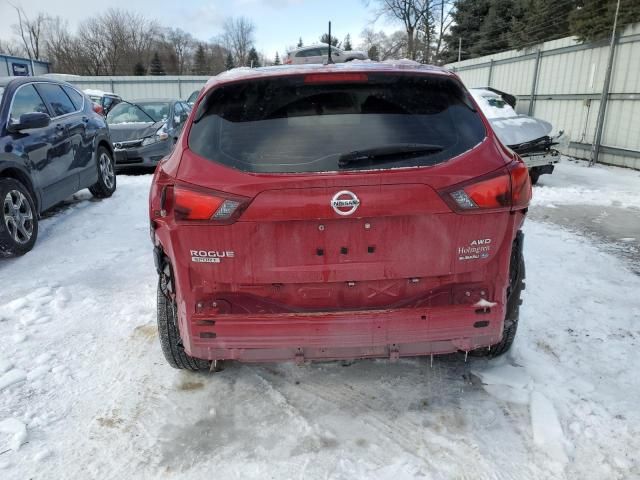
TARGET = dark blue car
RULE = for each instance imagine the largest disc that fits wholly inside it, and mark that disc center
(52, 144)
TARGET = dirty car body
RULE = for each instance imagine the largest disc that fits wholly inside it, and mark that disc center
(533, 139)
(334, 212)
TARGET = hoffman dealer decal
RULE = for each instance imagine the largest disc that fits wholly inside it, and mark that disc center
(210, 256)
(476, 250)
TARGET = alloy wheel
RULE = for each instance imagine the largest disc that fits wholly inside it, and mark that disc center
(18, 216)
(106, 170)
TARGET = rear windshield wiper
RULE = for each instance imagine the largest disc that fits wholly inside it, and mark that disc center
(396, 151)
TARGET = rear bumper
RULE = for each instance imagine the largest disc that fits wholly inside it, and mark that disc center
(344, 335)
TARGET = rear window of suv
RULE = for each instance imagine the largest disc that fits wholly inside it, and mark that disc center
(284, 125)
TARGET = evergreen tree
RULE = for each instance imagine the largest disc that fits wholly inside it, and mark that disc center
(536, 21)
(467, 17)
(373, 53)
(200, 66)
(300, 44)
(252, 59)
(156, 67)
(139, 70)
(495, 30)
(593, 19)
(228, 64)
(277, 60)
(325, 39)
(347, 43)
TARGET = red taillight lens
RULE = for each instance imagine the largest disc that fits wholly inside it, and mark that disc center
(199, 205)
(98, 108)
(335, 77)
(520, 185)
(509, 189)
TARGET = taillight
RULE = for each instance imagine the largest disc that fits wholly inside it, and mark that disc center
(510, 188)
(98, 108)
(200, 205)
(335, 77)
(288, 61)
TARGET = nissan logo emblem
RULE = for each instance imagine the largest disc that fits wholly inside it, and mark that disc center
(345, 202)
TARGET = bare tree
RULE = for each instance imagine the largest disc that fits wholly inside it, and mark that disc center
(444, 20)
(182, 45)
(31, 32)
(410, 12)
(238, 38)
(392, 46)
(10, 47)
(94, 48)
(63, 49)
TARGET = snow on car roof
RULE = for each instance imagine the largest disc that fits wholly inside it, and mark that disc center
(364, 66)
(492, 104)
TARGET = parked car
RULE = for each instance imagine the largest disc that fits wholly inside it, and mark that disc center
(193, 97)
(529, 137)
(144, 131)
(335, 212)
(320, 54)
(52, 144)
(105, 100)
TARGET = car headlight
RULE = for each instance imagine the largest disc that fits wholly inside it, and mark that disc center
(159, 136)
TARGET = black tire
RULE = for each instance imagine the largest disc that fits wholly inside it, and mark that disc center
(170, 336)
(106, 184)
(19, 219)
(514, 294)
(534, 174)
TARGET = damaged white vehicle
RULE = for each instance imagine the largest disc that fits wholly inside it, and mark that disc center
(529, 137)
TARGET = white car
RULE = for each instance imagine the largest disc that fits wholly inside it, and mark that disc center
(320, 54)
(529, 137)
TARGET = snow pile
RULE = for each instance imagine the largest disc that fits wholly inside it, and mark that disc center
(547, 432)
(15, 430)
(575, 183)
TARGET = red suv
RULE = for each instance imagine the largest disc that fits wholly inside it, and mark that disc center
(337, 212)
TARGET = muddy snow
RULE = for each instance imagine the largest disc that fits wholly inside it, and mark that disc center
(85, 392)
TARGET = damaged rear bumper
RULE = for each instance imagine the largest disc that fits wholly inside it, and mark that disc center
(344, 335)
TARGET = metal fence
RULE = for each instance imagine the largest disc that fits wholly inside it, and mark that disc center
(138, 88)
(562, 82)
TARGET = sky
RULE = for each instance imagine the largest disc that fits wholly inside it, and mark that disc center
(279, 23)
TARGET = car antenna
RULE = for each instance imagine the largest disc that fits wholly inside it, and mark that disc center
(329, 59)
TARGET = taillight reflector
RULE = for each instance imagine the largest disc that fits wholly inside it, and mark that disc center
(509, 189)
(98, 108)
(204, 205)
(335, 77)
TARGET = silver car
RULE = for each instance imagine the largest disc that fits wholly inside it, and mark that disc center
(320, 54)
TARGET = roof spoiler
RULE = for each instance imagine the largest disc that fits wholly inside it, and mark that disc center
(507, 97)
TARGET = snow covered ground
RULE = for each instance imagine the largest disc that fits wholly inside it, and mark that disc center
(85, 392)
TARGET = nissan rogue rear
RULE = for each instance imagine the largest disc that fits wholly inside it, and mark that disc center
(337, 212)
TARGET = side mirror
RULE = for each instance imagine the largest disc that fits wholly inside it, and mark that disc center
(28, 121)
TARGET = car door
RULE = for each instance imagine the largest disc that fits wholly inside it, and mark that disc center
(316, 55)
(45, 149)
(67, 119)
(79, 121)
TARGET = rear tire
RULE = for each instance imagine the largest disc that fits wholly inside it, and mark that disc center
(106, 184)
(170, 340)
(514, 293)
(18, 219)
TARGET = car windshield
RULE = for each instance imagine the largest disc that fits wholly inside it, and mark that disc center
(142, 112)
(286, 125)
(192, 98)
